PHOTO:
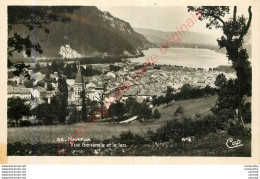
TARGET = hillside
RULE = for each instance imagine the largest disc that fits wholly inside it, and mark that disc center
(91, 32)
(103, 130)
(190, 39)
(159, 37)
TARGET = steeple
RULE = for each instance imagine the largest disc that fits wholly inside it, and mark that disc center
(78, 85)
(79, 78)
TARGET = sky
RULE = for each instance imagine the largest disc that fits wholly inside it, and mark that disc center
(159, 17)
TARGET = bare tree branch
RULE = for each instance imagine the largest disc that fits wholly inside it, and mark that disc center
(216, 17)
(234, 14)
(208, 13)
(248, 24)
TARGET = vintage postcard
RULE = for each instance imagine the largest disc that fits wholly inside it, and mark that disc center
(129, 82)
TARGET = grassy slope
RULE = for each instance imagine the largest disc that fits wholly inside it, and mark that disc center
(49, 134)
(191, 107)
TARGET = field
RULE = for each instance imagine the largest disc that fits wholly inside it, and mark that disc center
(101, 130)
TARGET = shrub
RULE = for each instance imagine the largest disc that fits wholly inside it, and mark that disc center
(25, 123)
(40, 83)
(184, 127)
(130, 138)
(246, 113)
(10, 124)
(171, 130)
(156, 114)
(207, 124)
(73, 118)
(237, 129)
(179, 111)
(15, 149)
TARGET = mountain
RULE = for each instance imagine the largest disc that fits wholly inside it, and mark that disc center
(189, 39)
(91, 32)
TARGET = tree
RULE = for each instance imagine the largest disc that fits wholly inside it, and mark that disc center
(186, 91)
(31, 17)
(11, 83)
(131, 106)
(169, 94)
(227, 102)
(59, 102)
(156, 114)
(91, 106)
(43, 114)
(234, 30)
(90, 71)
(55, 108)
(37, 67)
(60, 66)
(73, 118)
(47, 77)
(40, 83)
(70, 70)
(45, 99)
(17, 108)
(154, 100)
(247, 113)
(208, 90)
(49, 87)
(179, 111)
(117, 109)
(10, 74)
(29, 83)
(63, 99)
(84, 106)
(114, 68)
(101, 101)
(54, 66)
(144, 111)
(161, 100)
(220, 80)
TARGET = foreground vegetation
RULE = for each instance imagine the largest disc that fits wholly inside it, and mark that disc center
(103, 130)
(181, 136)
(186, 133)
(211, 145)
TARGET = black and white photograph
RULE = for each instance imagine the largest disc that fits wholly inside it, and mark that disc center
(150, 81)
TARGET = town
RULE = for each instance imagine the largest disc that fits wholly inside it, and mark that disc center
(106, 81)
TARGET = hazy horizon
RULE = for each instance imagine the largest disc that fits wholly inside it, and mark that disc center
(162, 18)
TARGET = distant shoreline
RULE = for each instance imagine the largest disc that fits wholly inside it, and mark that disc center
(188, 57)
(221, 52)
(84, 60)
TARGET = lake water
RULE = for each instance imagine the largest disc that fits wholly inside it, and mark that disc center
(187, 57)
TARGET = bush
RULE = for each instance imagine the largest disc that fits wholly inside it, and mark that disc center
(40, 83)
(184, 127)
(187, 92)
(130, 138)
(179, 111)
(28, 149)
(156, 114)
(246, 113)
(10, 124)
(48, 121)
(171, 130)
(73, 118)
(238, 130)
(25, 123)
(207, 124)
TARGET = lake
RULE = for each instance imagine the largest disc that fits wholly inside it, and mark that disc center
(187, 57)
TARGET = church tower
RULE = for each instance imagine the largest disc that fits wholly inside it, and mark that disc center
(78, 85)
